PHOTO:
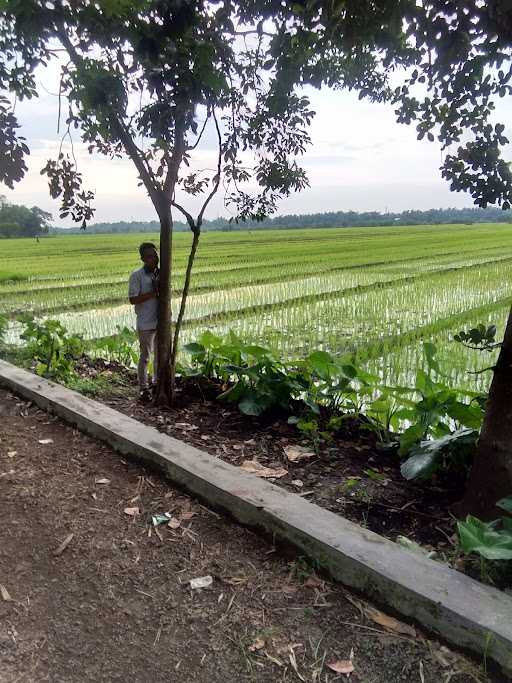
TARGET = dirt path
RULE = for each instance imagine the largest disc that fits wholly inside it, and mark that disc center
(116, 605)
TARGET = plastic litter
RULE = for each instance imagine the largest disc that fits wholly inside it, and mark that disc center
(201, 582)
(160, 519)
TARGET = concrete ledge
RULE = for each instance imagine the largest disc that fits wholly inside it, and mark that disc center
(461, 610)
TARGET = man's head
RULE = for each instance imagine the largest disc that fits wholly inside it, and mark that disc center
(149, 255)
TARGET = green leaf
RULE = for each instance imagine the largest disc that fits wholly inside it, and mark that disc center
(236, 369)
(194, 348)
(256, 351)
(507, 524)
(40, 369)
(234, 393)
(430, 351)
(425, 457)
(374, 475)
(349, 371)
(482, 538)
(468, 414)
(252, 405)
(210, 340)
(423, 383)
(348, 484)
(411, 435)
(366, 377)
(505, 504)
(421, 465)
(312, 405)
(321, 362)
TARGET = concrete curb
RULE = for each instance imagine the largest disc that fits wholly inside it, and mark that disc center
(461, 610)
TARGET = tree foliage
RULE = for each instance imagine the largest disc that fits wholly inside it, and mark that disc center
(142, 68)
(146, 78)
(331, 219)
(20, 221)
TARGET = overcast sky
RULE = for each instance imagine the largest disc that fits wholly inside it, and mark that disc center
(360, 159)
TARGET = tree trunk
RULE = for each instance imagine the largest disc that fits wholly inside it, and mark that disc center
(163, 394)
(491, 475)
(183, 304)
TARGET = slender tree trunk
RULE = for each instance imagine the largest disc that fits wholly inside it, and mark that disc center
(164, 390)
(163, 393)
(183, 304)
(491, 475)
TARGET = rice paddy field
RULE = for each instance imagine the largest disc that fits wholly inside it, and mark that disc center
(377, 292)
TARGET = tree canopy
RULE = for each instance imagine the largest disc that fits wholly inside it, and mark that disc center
(141, 68)
(20, 221)
(145, 78)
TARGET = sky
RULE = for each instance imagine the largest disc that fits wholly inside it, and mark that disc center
(360, 159)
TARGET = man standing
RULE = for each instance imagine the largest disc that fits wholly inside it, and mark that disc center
(143, 294)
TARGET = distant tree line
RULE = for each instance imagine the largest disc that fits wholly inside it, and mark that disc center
(20, 221)
(334, 219)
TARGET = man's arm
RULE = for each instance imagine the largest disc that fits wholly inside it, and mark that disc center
(134, 294)
(141, 298)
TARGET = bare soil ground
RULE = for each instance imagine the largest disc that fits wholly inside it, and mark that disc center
(350, 476)
(115, 603)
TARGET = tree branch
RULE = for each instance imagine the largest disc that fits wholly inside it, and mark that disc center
(487, 347)
(117, 123)
(189, 149)
(480, 372)
(184, 296)
(195, 226)
(217, 177)
(145, 173)
(254, 32)
(188, 216)
(173, 163)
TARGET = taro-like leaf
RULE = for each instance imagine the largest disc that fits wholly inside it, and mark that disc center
(505, 504)
(425, 456)
(483, 538)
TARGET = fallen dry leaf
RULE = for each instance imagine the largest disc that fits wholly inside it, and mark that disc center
(295, 453)
(103, 480)
(314, 582)
(254, 467)
(445, 657)
(273, 659)
(235, 580)
(257, 645)
(62, 547)
(293, 662)
(187, 515)
(341, 666)
(185, 426)
(131, 512)
(390, 623)
(174, 523)
(289, 589)
(5, 593)
(45, 441)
